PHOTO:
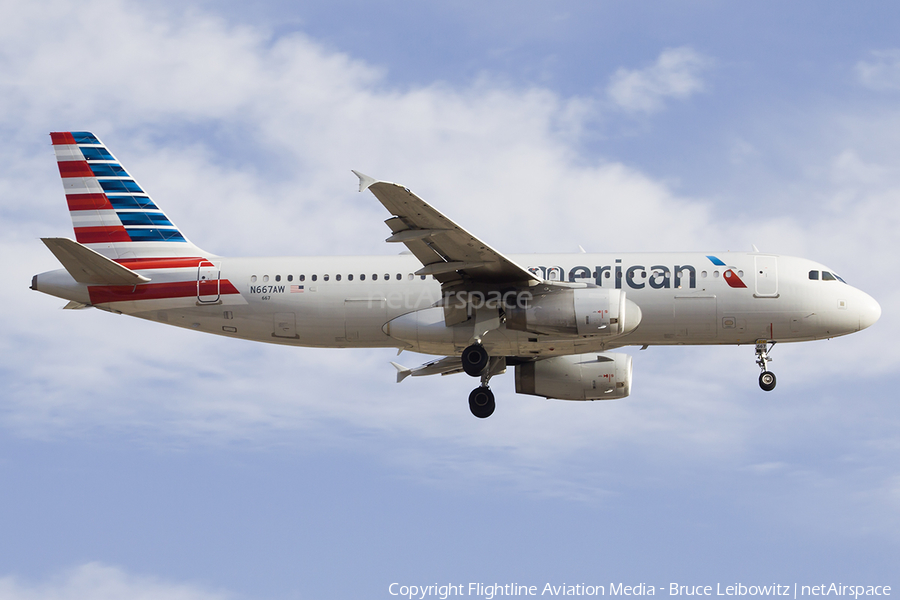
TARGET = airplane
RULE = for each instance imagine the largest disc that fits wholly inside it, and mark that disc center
(554, 318)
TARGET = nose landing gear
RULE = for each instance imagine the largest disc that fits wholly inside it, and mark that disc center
(766, 378)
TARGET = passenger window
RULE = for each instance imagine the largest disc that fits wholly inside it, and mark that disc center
(399, 276)
(387, 277)
(314, 277)
(423, 277)
(362, 277)
(278, 278)
(324, 277)
(410, 276)
(814, 275)
(374, 276)
(253, 279)
(265, 278)
(826, 276)
(290, 277)
(337, 277)
(303, 278)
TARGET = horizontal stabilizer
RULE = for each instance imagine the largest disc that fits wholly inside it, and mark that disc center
(87, 266)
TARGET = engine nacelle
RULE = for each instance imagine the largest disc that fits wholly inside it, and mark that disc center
(582, 311)
(427, 325)
(605, 376)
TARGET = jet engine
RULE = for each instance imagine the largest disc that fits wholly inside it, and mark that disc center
(593, 376)
(582, 311)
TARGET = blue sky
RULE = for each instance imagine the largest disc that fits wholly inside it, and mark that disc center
(143, 461)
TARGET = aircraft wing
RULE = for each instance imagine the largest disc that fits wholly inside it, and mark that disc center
(446, 250)
(447, 365)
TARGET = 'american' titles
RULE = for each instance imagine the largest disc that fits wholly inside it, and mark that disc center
(635, 277)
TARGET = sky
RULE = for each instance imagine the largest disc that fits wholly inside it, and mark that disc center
(150, 462)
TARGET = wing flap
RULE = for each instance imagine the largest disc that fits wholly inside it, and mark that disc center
(88, 266)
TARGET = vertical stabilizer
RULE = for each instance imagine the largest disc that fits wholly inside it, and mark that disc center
(111, 212)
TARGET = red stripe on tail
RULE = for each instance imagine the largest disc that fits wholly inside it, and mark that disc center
(88, 202)
(139, 264)
(101, 235)
(74, 168)
(62, 138)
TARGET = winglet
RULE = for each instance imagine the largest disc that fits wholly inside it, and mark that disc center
(364, 180)
(402, 372)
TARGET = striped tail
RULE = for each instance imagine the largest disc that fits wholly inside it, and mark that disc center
(111, 213)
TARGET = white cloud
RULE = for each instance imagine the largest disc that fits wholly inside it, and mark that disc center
(247, 141)
(285, 120)
(295, 118)
(674, 75)
(102, 582)
(881, 71)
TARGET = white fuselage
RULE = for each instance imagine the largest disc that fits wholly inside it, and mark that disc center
(684, 298)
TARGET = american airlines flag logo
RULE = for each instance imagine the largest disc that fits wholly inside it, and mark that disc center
(296, 289)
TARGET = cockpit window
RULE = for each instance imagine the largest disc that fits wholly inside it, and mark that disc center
(826, 276)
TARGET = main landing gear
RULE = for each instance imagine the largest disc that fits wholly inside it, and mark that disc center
(474, 360)
(481, 402)
(478, 363)
(766, 378)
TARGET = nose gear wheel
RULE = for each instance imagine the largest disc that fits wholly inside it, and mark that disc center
(766, 378)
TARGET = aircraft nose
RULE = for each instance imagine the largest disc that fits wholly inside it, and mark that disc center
(869, 311)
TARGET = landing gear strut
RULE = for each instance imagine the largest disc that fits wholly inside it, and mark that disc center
(766, 378)
(477, 362)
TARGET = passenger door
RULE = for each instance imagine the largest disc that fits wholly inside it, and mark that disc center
(207, 283)
(766, 276)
